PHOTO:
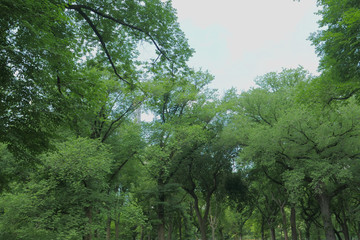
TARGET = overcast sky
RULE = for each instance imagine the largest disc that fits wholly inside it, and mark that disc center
(237, 40)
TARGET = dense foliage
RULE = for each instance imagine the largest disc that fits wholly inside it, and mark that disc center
(78, 161)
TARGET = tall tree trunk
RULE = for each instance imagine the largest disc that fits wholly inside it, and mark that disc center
(202, 220)
(108, 228)
(180, 226)
(161, 231)
(307, 230)
(88, 214)
(142, 232)
(284, 220)
(294, 235)
(338, 235)
(272, 233)
(262, 228)
(345, 231)
(117, 229)
(324, 202)
(171, 227)
(318, 233)
(161, 210)
(203, 228)
(221, 233)
(344, 226)
(213, 225)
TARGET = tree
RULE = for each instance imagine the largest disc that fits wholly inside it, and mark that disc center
(337, 43)
(124, 176)
(54, 203)
(310, 143)
(240, 202)
(8, 168)
(42, 58)
(259, 111)
(173, 133)
(205, 168)
(74, 69)
(314, 146)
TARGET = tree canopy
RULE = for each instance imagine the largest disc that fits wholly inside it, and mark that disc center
(79, 161)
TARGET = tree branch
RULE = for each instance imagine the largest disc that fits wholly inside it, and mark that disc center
(338, 190)
(271, 178)
(121, 166)
(344, 97)
(93, 27)
(111, 127)
(79, 7)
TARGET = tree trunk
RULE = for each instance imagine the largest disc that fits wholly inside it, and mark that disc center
(344, 226)
(345, 231)
(272, 233)
(117, 229)
(202, 224)
(221, 233)
(108, 228)
(180, 232)
(284, 220)
(161, 210)
(262, 228)
(161, 231)
(293, 224)
(307, 230)
(202, 221)
(213, 233)
(142, 233)
(171, 227)
(88, 214)
(213, 225)
(324, 202)
(318, 233)
(338, 235)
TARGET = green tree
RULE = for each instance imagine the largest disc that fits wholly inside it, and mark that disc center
(256, 112)
(337, 42)
(45, 45)
(240, 206)
(73, 68)
(9, 169)
(318, 147)
(125, 173)
(172, 134)
(310, 143)
(205, 167)
(315, 145)
(54, 203)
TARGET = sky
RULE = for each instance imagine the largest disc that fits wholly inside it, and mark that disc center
(238, 40)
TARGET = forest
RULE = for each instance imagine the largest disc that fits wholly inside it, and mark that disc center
(78, 160)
